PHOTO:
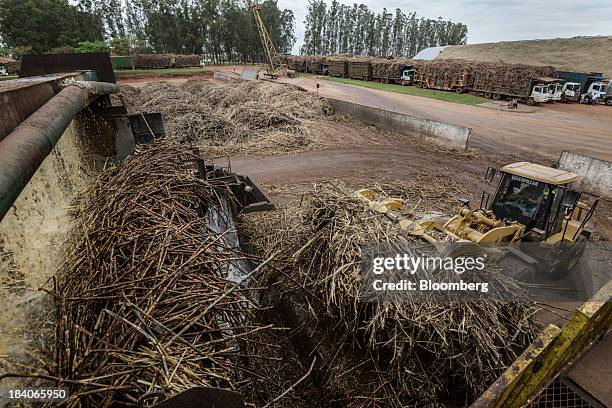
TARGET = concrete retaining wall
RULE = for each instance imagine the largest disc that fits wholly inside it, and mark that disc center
(456, 136)
(594, 175)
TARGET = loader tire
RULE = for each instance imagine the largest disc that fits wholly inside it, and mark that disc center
(569, 258)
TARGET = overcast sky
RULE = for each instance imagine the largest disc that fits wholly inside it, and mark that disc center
(495, 20)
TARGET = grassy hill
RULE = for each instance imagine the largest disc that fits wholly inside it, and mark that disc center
(587, 54)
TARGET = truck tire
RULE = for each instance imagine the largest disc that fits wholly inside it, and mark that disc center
(609, 101)
(488, 95)
(419, 84)
(497, 96)
(530, 101)
(460, 90)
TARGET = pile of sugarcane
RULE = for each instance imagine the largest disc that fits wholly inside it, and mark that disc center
(512, 79)
(374, 354)
(238, 117)
(144, 297)
(389, 69)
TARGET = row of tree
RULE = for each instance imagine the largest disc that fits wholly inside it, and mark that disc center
(340, 28)
(223, 29)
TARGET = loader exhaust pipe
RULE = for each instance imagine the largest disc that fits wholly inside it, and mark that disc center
(24, 150)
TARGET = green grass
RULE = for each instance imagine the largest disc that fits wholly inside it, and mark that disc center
(466, 99)
(7, 78)
(147, 72)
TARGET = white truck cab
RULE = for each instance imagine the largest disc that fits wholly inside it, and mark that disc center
(597, 89)
(407, 77)
(556, 92)
(540, 93)
(571, 91)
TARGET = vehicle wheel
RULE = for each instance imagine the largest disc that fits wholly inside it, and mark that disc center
(488, 95)
(569, 258)
(460, 90)
(530, 101)
(609, 101)
(497, 97)
(419, 84)
(563, 98)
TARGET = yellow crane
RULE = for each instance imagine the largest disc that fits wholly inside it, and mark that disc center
(275, 65)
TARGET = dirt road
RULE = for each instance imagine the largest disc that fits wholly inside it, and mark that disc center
(550, 130)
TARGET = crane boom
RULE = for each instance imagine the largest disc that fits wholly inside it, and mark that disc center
(275, 65)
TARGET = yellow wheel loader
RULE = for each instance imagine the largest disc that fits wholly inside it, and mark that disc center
(532, 204)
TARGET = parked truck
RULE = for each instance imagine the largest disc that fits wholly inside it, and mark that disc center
(555, 89)
(360, 70)
(585, 79)
(438, 76)
(503, 85)
(608, 95)
(570, 92)
(390, 71)
(407, 75)
(337, 68)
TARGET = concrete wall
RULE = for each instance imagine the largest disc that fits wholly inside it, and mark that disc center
(453, 135)
(594, 175)
(32, 234)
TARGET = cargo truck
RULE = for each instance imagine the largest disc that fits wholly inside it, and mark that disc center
(338, 68)
(407, 77)
(585, 79)
(527, 90)
(597, 90)
(123, 62)
(570, 92)
(608, 95)
(556, 90)
(360, 70)
(435, 78)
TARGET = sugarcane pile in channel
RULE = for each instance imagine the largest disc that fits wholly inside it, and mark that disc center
(144, 300)
(371, 354)
(232, 118)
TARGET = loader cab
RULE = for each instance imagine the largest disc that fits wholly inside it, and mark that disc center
(535, 196)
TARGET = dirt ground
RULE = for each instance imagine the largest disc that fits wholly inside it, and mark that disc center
(585, 54)
(550, 130)
(362, 155)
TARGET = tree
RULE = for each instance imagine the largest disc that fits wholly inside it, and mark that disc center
(61, 50)
(92, 47)
(357, 30)
(21, 23)
(121, 45)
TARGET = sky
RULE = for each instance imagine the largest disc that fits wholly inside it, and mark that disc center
(494, 20)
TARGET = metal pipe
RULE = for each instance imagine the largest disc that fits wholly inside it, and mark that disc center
(24, 150)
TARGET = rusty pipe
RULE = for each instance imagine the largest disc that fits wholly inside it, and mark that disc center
(24, 150)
